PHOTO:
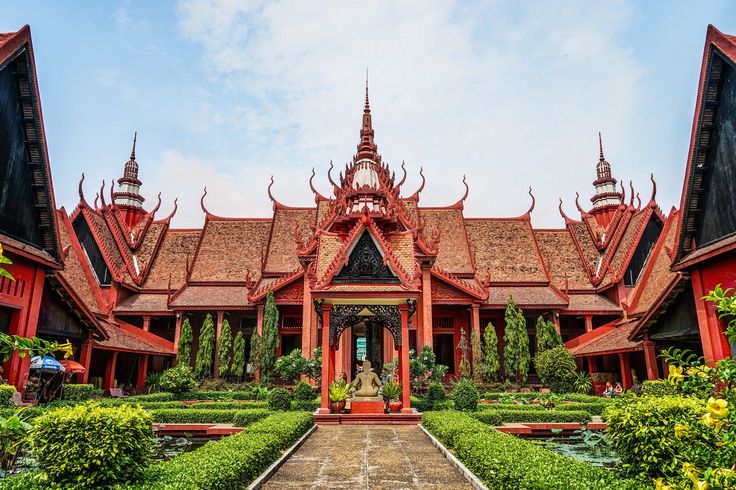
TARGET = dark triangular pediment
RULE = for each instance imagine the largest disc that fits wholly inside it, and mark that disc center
(365, 265)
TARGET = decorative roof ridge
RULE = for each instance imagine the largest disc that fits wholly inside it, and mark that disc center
(613, 246)
(80, 304)
(470, 287)
(564, 296)
(406, 279)
(545, 266)
(339, 258)
(284, 280)
(567, 219)
(415, 196)
(581, 253)
(117, 275)
(317, 195)
(648, 212)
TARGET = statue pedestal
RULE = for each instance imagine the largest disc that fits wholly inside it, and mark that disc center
(367, 405)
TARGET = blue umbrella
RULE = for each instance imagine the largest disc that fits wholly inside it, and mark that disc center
(47, 364)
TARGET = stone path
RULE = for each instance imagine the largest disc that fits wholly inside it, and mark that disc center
(374, 457)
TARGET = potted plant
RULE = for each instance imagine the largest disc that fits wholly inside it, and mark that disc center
(339, 393)
(31, 387)
(391, 392)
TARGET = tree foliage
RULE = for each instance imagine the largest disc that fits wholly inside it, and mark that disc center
(547, 336)
(293, 365)
(5, 260)
(263, 347)
(184, 348)
(206, 350)
(464, 348)
(476, 357)
(492, 361)
(238, 367)
(224, 358)
(516, 349)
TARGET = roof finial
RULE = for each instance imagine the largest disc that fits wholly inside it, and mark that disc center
(367, 105)
(600, 145)
(132, 152)
(367, 147)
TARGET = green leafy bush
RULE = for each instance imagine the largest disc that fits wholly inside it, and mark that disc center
(199, 416)
(13, 437)
(81, 392)
(89, 445)
(657, 387)
(153, 397)
(435, 394)
(505, 462)
(6, 395)
(288, 427)
(279, 399)
(556, 368)
(205, 349)
(532, 416)
(178, 379)
(303, 396)
(466, 396)
(591, 408)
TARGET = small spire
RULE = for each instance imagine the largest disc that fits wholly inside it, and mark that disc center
(600, 145)
(132, 152)
(367, 147)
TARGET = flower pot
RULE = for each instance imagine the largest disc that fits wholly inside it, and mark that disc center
(394, 406)
(337, 407)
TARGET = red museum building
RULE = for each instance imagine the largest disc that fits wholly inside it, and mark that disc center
(366, 271)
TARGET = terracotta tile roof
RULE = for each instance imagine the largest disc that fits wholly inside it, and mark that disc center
(614, 341)
(507, 248)
(228, 249)
(144, 253)
(282, 247)
(171, 258)
(566, 265)
(591, 303)
(119, 339)
(629, 240)
(329, 247)
(105, 240)
(402, 246)
(410, 206)
(588, 249)
(211, 296)
(145, 302)
(657, 276)
(323, 209)
(524, 296)
(454, 252)
(29, 249)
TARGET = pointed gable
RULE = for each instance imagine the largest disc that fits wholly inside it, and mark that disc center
(174, 254)
(365, 264)
(454, 251)
(281, 255)
(566, 266)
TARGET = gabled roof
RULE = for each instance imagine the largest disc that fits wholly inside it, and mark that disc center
(281, 256)
(725, 45)
(567, 269)
(535, 297)
(172, 258)
(614, 341)
(122, 336)
(454, 250)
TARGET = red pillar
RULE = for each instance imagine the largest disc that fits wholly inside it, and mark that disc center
(556, 321)
(307, 347)
(404, 357)
(475, 324)
(588, 323)
(177, 330)
(623, 360)
(110, 371)
(324, 406)
(146, 323)
(259, 329)
(218, 331)
(715, 344)
(425, 329)
(26, 327)
(85, 358)
(142, 370)
(650, 357)
(592, 365)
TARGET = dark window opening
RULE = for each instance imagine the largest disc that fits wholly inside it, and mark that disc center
(643, 249)
(96, 260)
(444, 350)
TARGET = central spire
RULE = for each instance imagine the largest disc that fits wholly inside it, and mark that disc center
(367, 147)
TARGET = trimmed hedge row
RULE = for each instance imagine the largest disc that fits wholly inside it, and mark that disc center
(207, 405)
(195, 416)
(567, 397)
(234, 461)
(504, 462)
(496, 417)
(592, 408)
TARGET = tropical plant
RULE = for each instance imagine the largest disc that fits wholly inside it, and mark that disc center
(13, 437)
(33, 346)
(184, 347)
(583, 383)
(476, 357)
(178, 379)
(339, 391)
(5, 260)
(263, 347)
(279, 399)
(391, 391)
(206, 349)
(516, 344)
(291, 366)
(492, 361)
(547, 336)
(6, 395)
(303, 396)
(153, 382)
(423, 369)
(435, 394)
(466, 395)
(238, 368)
(726, 308)
(557, 369)
(260, 392)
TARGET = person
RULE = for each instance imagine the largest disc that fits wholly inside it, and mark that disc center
(619, 389)
(609, 392)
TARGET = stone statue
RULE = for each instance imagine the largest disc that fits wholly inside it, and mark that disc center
(366, 384)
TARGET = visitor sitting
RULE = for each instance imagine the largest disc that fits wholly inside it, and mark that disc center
(618, 391)
(609, 392)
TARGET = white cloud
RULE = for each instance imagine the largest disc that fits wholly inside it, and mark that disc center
(511, 94)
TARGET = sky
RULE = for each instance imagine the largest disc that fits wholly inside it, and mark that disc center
(226, 93)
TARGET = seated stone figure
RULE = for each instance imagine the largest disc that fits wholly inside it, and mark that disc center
(366, 383)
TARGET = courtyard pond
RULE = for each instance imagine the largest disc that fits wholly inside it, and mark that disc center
(591, 446)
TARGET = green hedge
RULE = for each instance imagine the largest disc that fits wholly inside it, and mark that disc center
(505, 462)
(567, 397)
(6, 395)
(81, 392)
(195, 416)
(233, 462)
(592, 408)
(531, 416)
(658, 387)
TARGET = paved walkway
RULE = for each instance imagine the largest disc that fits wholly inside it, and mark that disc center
(375, 457)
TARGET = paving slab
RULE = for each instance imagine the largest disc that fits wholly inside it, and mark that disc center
(386, 457)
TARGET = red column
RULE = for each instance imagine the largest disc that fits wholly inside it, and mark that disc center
(588, 323)
(218, 331)
(177, 330)
(110, 371)
(715, 344)
(425, 329)
(259, 329)
(556, 321)
(475, 324)
(26, 327)
(142, 371)
(146, 323)
(85, 358)
(307, 347)
(623, 360)
(324, 406)
(404, 357)
(592, 365)
(650, 357)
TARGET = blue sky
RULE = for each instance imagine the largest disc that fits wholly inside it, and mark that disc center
(225, 93)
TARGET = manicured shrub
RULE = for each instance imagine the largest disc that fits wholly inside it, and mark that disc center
(178, 379)
(435, 394)
(279, 399)
(81, 392)
(224, 349)
(532, 416)
(547, 336)
(516, 344)
(226, 405)
(466, 396)
(556, 368)
(6, 395)
(506, 462)
(244, 418)
(205, 349)
(153, 397)
(288, 427)
(89, 445)
(491, 358)
(657, 387)
(303, 396)
(643, 432)
(200, 416)
(238, 368)
(184, 348)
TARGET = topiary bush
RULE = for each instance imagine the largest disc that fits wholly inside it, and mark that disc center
(81, 392)
(657, 387)
(557, 369)
(279, 399)
(435, 394)
(466, 396)
(6, 395)
(533, 416)
(89, 445)
(178, 379)
(303, 396)
(201, 416)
